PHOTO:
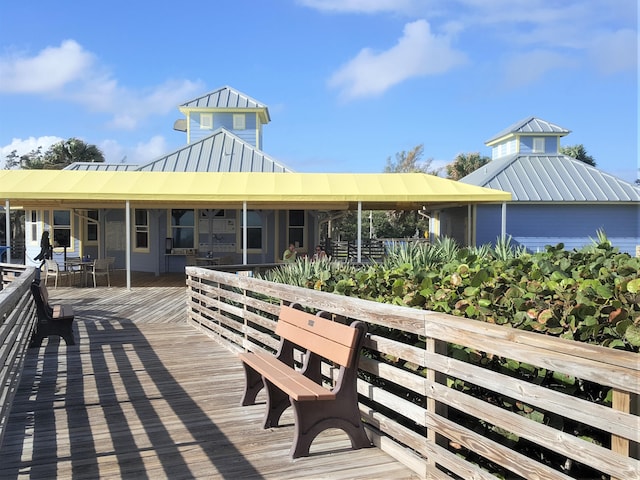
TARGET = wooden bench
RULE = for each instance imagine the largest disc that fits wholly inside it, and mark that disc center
(52, 320)
(316, 407)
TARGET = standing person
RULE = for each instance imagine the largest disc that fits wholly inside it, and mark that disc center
(290, 254)
(320, 253)
(45, 247)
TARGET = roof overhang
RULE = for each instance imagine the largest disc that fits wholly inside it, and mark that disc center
(326, 191)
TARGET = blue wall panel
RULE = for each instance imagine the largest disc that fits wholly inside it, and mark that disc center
(574, 225)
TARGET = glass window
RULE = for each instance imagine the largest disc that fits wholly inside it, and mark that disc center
(538, 145)
(254, 230)
(34, 226)
(239, 121)
(141, 229)
(296, 228)
(62, 228)
(183, 228)
(206, 121)
(91, 232)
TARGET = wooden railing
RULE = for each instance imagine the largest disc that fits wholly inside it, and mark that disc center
(408, 402)
(17, 319)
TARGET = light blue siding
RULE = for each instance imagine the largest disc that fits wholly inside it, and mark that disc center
(224, 120)
(536, 226)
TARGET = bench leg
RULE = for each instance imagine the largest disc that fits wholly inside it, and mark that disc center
(277, 403)
(312, 418)
(253, 385)
(63, 328)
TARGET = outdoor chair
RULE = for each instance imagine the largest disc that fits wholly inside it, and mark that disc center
(51, 269)
(100, 267)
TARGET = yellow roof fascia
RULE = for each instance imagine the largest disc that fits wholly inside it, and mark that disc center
(255, 188)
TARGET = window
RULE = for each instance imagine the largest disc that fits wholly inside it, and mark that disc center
(239, 121)
(183, 228)
(296, 228)
(254, 230)
(141, 229)
(34, 226)
(61, 228)
(538, 145)
(91, 229)
(206, 121)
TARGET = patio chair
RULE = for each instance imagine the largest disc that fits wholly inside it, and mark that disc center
(51, 269)
(100, 267)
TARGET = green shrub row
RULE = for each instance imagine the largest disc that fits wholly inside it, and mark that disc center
(590, 295)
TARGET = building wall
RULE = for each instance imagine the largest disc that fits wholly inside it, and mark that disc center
(249, 134)
(536, 226)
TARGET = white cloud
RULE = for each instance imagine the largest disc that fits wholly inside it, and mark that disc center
(43, 73)
(615, 52)
(418, 53)
(358, 6)
(84, 81)
(142, 152)
(27, 145)
(529, 67)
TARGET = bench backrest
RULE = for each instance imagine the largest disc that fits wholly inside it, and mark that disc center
(331, 340)
(44, 311)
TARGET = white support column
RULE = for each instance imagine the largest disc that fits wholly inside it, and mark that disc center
(244, 232)
(359, 258)
(503, 225)
(128, 242)
(7, 231)
(470, 223)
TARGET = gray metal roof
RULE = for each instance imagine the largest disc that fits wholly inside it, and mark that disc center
(530, 125)
(226, 97)
(552, 178)
(221, 151)
(103, 167)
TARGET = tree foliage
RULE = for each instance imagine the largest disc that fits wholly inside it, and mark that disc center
(410, 162)
(464, 164)
(57, 157)
(579, 153)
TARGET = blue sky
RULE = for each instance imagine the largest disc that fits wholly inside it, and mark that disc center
(348, 83)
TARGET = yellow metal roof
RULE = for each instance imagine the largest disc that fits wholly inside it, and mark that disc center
(278, 190)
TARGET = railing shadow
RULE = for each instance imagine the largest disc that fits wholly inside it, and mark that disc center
(113, 376)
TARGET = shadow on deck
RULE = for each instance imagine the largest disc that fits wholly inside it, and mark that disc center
(144, 395)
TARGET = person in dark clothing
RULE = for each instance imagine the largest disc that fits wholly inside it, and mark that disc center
(45, 247)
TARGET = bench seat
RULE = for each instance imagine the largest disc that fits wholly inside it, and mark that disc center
(56, 320)
(316, 406)
(290, 381)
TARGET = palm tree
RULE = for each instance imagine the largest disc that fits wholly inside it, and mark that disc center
(464, 164)
(579, 153)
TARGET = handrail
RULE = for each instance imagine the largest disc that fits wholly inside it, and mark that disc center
(17, 320)
(408, 389)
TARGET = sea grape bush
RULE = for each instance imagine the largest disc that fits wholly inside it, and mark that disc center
(590, 295)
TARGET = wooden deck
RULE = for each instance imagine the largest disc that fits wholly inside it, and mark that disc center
(144, 395)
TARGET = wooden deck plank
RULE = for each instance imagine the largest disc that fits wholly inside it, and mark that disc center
(144, 395)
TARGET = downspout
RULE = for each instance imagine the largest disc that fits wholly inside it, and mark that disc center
(503, 225)
(244, 232)
(359, 256)
(7, 231)
(128, 241)
(469, 224)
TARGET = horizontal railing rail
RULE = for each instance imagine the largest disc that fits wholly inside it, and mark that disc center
(17, 320)
(409, 378)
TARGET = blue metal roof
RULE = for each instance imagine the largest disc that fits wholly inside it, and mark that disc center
(101, 166)
(227, 98)
(552, 178)
(530, 125)
(221, 151)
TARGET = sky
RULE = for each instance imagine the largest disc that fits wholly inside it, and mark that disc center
(348, 83)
